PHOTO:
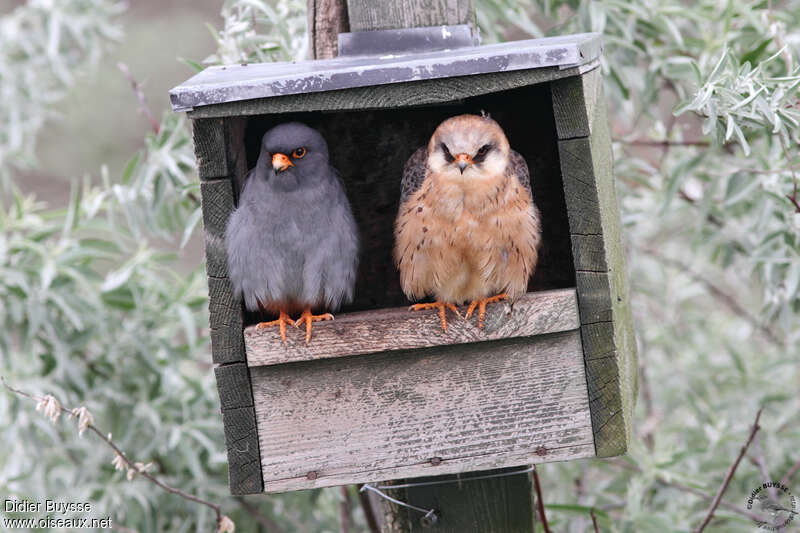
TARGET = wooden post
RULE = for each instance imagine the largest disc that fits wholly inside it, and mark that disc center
(501, 504)
(326, 20)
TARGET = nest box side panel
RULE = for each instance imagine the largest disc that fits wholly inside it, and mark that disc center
(603, 296)
(426, 412)
(218, 148)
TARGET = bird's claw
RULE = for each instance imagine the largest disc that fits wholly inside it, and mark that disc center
(441, 306)
(481, 305)
(309, 318)
(281, 322)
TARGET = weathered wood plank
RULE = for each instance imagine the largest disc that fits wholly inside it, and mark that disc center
(218, 204)
(399, 329)
(589, 253)
(366, 15)
(244, 461)
(209, 148)
(574, 104)
(465, 505)
(580, 188)
(422, 412)
(326, 20)
(595, 297)
(225, 320)
(241, 434)
(233, 384)
(607, 327)
(395, 95)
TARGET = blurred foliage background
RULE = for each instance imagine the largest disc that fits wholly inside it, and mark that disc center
(103, 296)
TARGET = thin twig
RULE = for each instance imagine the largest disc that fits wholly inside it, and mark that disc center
(686, 488)
(662, 144)
(259, 517)
(344, 510)
(757, 458)
(594, 520)
(792, 197)
(539, 501)
(369, 512)
(718, 293)
(137, 89)
(786, 477)
(729, 475)
(129, 463)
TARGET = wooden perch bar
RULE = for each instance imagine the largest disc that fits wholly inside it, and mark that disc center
(395, 329)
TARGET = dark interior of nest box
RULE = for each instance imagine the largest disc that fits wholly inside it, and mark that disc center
(369, 149)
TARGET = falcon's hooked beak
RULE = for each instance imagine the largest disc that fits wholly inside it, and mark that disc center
(463, 161)
(280, 162)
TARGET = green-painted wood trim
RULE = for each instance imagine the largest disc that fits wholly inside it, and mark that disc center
(603, 294)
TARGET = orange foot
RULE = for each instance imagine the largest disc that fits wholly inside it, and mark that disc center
(441, 306)
(308, 318)
(481, 305)
(283, 319)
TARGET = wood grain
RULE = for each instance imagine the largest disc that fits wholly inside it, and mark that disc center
(394, 95)
(422, 412)
(225, 321)
(326, 20)
(241, 435)
(366, 15)
(574, 103)
(494, 505)
(399, 329)
(218, 204)
(605, 314)
(209, 148)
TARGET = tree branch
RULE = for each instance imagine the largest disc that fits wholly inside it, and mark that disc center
(137, 89)
(128, 462)
(265, 521)
(718, 293)
(792, 197)
(539, 501)
(686, 488)
(729, 475)
(594, 520)
(786, 477)
(662, 144)
(344, 510)
(369, 512)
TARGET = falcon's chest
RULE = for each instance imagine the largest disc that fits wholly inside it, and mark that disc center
(462, 209)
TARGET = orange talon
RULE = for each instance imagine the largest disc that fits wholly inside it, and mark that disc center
(481, 305)
(281, 322)
(308, 318)
(441, 306)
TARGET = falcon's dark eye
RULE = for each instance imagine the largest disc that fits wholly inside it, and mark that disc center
(299, 153)
(447, 155)
(481, 153)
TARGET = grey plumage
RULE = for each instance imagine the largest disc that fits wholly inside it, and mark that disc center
(292, 242)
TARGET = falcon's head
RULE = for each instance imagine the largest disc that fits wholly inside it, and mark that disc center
(292, 154)
(468, 147)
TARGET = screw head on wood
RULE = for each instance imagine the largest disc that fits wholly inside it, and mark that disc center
(541, 451)
(312, 475)
(435, 461)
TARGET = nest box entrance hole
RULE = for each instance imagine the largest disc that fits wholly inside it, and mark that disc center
(370, 147)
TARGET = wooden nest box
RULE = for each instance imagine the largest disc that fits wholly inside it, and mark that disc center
(381, 393)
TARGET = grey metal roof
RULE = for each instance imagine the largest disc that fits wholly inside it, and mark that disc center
(216, 85)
